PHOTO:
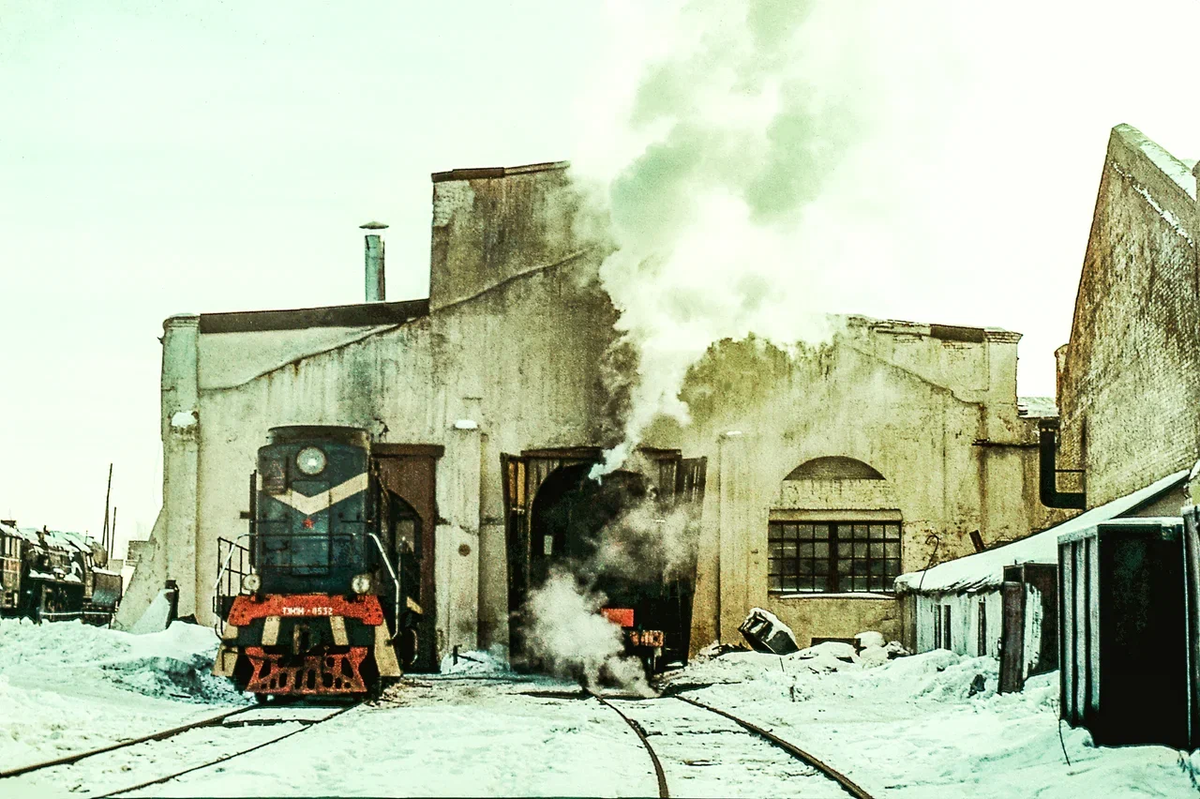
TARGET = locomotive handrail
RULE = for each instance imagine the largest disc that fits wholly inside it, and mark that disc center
(220, 623)
(395, 582)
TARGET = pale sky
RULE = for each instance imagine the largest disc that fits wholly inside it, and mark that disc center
(195, 156)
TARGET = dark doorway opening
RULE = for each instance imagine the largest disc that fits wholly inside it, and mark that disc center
(407, 500)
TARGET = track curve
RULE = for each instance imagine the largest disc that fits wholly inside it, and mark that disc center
(663, 792)
(690, 736)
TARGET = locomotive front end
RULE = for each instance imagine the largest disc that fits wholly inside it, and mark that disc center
(309, 618)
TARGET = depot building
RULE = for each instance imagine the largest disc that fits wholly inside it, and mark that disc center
(814, 476)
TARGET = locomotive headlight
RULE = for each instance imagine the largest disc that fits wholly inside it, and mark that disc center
(310, 461)
(361, 583)
(252, 582)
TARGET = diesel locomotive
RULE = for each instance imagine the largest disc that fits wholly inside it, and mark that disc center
(330, 601)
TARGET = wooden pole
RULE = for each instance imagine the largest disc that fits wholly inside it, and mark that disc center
(112, 533)
(107, 497)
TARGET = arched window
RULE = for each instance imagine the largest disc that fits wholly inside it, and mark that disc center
(833, 540)
(834, 467)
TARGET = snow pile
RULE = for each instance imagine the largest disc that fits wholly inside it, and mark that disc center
(174, 663)
(67, 686)
(477, 663)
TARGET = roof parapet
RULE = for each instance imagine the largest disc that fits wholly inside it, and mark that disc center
(483, 173)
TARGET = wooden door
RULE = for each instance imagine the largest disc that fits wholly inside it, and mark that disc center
(410, 476)
(1012, 637)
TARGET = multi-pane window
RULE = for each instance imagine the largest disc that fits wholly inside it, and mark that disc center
(833, 557)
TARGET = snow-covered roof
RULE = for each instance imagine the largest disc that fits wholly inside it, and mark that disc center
(985, 570)
(62, 540)
(1037, 407)
(27, 535)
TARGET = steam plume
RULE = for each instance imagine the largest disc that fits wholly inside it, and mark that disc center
(731, 134)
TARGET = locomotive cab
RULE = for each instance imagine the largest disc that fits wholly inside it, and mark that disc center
(330, 605)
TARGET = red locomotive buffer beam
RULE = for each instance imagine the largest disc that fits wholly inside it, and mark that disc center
(329, 673)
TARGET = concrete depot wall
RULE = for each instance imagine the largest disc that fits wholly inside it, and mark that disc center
(758, 413)
(1131, 372)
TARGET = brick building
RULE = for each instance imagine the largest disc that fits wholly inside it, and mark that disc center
(1129, 379)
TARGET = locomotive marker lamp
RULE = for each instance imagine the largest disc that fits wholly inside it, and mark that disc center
(251, 583)
(361, 584)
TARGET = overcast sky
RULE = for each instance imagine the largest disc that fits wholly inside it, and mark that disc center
(198, 156)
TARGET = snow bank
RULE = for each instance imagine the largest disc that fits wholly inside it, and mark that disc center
(68, 686)
(985, 570)
(477, 663)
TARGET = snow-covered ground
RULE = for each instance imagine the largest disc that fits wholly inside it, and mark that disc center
(908, 727)
(70, 687)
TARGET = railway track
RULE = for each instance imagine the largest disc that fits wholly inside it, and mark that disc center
(128, 766)
(701, 750)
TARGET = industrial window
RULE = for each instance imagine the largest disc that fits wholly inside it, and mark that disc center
(832, 557)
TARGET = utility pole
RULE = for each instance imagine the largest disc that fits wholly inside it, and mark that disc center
(107, 497)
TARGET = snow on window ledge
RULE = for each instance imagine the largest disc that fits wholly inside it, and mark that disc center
(844, 595)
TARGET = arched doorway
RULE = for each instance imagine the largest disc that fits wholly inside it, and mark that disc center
(570, 514)
(617, 537)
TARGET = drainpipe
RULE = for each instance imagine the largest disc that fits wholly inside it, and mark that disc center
(375, 289)
(1048, 484)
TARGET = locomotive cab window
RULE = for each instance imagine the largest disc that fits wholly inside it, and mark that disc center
(833, 557)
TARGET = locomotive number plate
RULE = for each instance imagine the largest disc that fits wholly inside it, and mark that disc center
(292, 610)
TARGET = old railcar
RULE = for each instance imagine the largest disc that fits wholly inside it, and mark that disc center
(328, 600)
(50, 575)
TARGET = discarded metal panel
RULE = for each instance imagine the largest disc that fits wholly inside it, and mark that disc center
(1012, 637)
(766, 633)
(1123, 640)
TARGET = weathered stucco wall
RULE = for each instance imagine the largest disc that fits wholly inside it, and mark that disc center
(517, 357)
(1131, 373)
(933, 416)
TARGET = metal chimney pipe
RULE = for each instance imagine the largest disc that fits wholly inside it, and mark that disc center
(376, 290)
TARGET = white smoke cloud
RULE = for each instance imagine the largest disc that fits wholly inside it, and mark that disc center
(567, 632)
(649, 544)
(737, 117)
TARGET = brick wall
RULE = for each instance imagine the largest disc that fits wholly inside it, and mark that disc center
(1130, 379)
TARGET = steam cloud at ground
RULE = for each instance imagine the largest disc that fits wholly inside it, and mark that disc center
(568, 633)
(739, 120)
(564, 626)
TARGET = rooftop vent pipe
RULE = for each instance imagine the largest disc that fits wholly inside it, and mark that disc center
(376, 291)
(1050, 495)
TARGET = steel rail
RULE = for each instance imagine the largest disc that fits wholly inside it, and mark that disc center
(663, 793)
(224, 758)
(211, 721)
(841, 779)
